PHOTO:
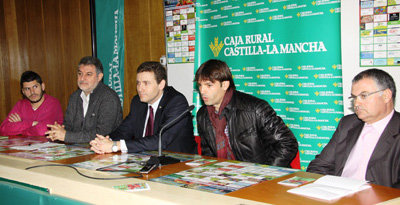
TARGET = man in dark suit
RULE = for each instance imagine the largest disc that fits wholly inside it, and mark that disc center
(155, 105)
(366, 145)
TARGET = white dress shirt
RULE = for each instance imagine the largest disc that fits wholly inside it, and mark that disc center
(85, 104)
(123, 146)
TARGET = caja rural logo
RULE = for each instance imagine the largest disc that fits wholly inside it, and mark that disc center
(216, 47)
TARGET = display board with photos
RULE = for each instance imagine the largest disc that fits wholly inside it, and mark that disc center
(180, 30)
(379, 33)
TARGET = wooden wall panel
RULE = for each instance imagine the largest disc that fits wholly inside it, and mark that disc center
(144, 40)
(20, 55)
(13, 40)
(75, 41)
(53, 46)
(157, 34)
(4, 62)
(50, 37)
(46, 36)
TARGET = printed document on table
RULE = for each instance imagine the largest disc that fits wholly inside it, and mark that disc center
(331, 187)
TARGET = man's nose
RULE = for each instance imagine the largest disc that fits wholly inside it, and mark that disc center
(82, 77)
(202, 90)
(139, 87)
(356, 102)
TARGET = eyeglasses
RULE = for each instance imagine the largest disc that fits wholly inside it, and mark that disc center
(363, 95)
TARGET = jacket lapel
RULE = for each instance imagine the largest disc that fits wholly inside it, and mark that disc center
(163, 102)
(386, 140)
(90, 111)
(211, 132)
(353, 135)
(141, 110)
(157, 118)
(79, 109)
(94, 97)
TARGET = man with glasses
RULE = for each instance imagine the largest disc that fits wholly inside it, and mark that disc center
(31, 115)
(366, 145)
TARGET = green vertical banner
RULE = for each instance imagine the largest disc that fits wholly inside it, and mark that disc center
(110, 43)
(286, 52)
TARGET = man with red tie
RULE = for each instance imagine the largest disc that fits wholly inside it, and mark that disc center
(155, 105)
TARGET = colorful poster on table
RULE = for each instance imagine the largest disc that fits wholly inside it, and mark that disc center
(379, 33)
(110, 43)
(224, 177)
(180, 30)
(286, 52)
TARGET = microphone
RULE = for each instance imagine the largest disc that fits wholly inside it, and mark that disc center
(154, 161)
(190, 108)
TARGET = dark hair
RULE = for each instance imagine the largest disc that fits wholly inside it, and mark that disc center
(382, 79)
(155, 67)
(90, 60)
(215, 70)
(29, 76)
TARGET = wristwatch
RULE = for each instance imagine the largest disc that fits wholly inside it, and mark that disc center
(114, 147)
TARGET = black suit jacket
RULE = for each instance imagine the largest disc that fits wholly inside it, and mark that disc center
(179, 137)
(384, 165)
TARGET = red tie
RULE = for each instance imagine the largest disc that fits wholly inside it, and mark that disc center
(149, 127)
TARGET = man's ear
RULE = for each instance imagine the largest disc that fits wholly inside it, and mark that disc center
(387, 95)
(43, 86)
(161, 86)
(100, 75)
(225, 85)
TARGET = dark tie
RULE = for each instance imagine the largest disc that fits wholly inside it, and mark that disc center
(149, 127)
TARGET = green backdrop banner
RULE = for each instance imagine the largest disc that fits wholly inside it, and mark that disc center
(286, 52)
(110, 42)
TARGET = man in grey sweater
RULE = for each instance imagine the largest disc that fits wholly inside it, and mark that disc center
(92, 109)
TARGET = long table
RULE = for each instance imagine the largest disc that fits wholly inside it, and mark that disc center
(66, 182)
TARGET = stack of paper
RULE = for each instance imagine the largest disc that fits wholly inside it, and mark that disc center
(331, 187)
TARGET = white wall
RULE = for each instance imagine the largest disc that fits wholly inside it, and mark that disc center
(351, 51)
(181, 76)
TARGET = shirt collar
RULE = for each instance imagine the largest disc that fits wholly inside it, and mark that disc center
(381, 124)
(85, 97)
(156, 103)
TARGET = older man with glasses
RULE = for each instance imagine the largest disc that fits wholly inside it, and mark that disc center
(366, 145)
